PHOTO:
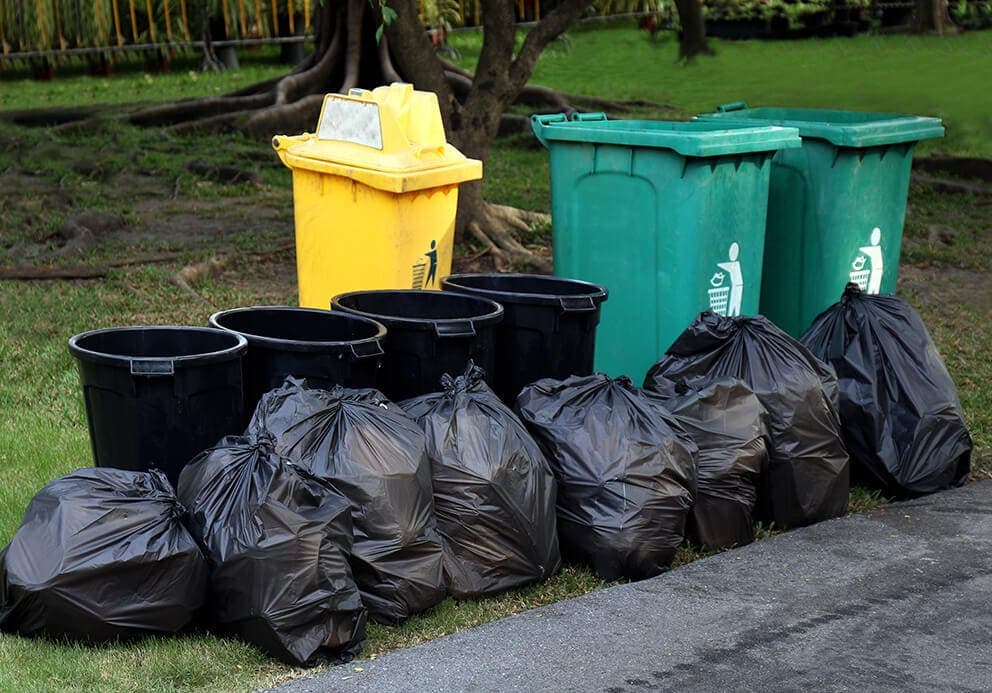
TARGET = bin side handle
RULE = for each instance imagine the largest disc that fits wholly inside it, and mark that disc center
(732, 106)
(539, 122)
(588, 117)
(454, 328)
(577, 304)
(365, 350)
(151, 368)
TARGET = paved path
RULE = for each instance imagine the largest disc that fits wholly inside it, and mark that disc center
(899, 600)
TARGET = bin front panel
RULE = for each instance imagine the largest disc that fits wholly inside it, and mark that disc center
(142, 423)
(669, 236)
(609, 236)
(350, 237)
(835, 215)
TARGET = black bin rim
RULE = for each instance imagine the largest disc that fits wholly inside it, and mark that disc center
(588, 290)
(231, 345)
(490, 312)
(303, 345)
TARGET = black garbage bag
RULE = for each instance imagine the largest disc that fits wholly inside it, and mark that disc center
(900, 413)
(626, 472)
(375, 454)
(102, 555)
(494, 493)
(278, 539)
(726, 421)
(808, 477)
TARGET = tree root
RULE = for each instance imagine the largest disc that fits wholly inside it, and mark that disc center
(43, 272)
(298, 116)
(963, 166)
(943, 185)
(201, 270)
(490, 229)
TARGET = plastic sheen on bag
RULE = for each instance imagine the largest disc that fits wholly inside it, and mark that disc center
(808, 477)
(102, 555)
(494, 493)
(278, 540)
(626, 472)
(727, 423)
(375, 454)
(900, 413)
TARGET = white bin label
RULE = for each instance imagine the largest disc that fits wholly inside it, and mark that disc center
(867, 268)
(346, 120)
(726, 290)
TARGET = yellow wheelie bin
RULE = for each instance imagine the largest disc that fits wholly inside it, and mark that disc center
(375, 191)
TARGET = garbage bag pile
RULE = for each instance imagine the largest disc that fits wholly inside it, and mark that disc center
(626, 472)
(336, 505)
(727, 422)
(278, 540)
(102, 555)
(900, 413)
(370, 450)
(808, 471)
(494, 493)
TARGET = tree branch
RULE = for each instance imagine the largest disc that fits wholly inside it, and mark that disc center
(548, 29)
(194, 109)
(498, 38)
(414, 55)
(389, 73)
(292, 85)
(353, 53)
(298, 116)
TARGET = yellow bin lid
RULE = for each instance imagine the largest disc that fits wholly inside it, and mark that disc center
(390, 138)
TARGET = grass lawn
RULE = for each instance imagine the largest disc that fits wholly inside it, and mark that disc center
(166, 207)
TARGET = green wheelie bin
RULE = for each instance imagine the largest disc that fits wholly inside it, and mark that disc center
(836, 205)
(669, 216)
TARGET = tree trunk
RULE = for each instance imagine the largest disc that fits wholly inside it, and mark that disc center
(932, 16)
(472, 106)
(692, 39)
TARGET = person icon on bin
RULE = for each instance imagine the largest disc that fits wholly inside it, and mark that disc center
(432, 270)
(874, 253)
(733, 270)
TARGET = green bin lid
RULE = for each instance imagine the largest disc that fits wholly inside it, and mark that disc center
(840, 128)
(696, 138)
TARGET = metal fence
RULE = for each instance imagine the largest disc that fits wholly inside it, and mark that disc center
(33, 29)
(48, 30)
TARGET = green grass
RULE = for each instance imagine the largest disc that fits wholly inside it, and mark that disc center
(919, 75)
(131, 82)
(42, 422)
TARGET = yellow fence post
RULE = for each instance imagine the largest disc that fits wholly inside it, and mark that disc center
(258, 18)
(227, 18)
(117, 24)
(242, 16)
(182, 10)
(101, 34)
(168, 20)
(134, 22)
(151, 20)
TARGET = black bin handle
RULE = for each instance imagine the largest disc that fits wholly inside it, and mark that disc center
(367, 350)
(152, 367)
(577, 304)
(454, 328)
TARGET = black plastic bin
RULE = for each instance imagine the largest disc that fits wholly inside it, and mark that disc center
(548, 328)
(157, 396)
(326, 348)
(428, 334)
